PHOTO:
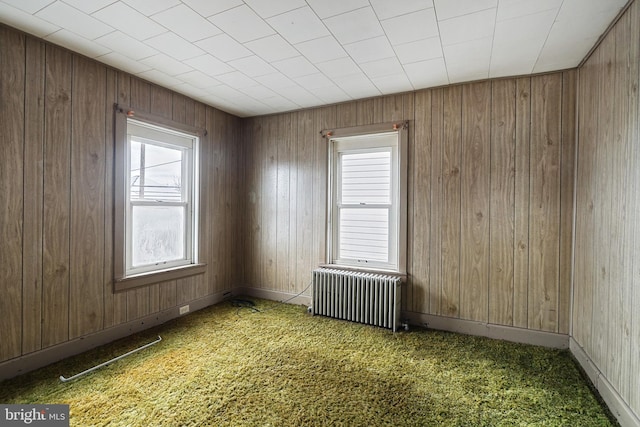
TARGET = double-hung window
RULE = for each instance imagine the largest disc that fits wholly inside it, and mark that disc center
(367, 215)
(156, 235)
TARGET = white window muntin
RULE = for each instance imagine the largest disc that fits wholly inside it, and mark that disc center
(187, 144)
(371, 143)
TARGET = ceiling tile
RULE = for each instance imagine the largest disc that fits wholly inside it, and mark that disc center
(382, 67)
(252, 66)
(394, 83)
(210, 65)
(411, 27)
(121, 62)
(573, 9)
(270, 8)
(295, 67)
(31, 6)
(120, 42)
(327, 8)
(73, 20)
(512, 32)
(174, 46)
(354, 26)
(223, 47)
(339, 67)
(459, 56)
(468, 27)
(258, 92)
(89, 6)
(302, 97)
(429, 73)
(275, 81)
(23, 21)
(419, 50)
(167, 64)
(515, 8)
(272, 48)
(370, 50)
(186, 23)
(159, 78)
(446, 9)
(357, 86)
(77, 44)
(386, 9)
(298, 25)
(563, 54)
(207, 8)
(198, 79)
(322, 49)
(151, 7)
(236, 79)
(129, 21)
(313, 81)
(242, 24)
(330, 94)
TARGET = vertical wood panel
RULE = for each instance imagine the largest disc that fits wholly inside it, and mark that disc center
(521, 204)
(326, 118)
(600, 309)
(234, 224)
(418, 235)
(290, 128)
(115, 303)
(33, 197)
(369, 111)
(57, 197)
(567, 175)
(632, 246)
(618, 346)
(200, 122)
(346, 114)
(306, 135)
(216, 208)
(502, 231)
(12, 85)
(269, 198)
(475, 186)
(451, 165)
(545, 202)
(87, 198)
(436, 176)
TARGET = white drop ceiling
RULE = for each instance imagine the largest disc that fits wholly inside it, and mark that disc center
(255, 57)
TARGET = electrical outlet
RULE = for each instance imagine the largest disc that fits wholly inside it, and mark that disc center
(184, 309)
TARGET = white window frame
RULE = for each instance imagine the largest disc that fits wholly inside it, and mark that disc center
(159, 132)
(388, 136)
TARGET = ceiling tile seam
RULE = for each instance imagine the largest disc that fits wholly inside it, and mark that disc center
(444, 56)
(493, 39)
(63, 28)
(467, 14)
(546, 39)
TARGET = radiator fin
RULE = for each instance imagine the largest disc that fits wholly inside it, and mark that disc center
(361, 297)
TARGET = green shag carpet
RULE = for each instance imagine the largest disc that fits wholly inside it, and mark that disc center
(234, 364)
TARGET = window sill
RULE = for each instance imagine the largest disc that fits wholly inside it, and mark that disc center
(402, 276)
(130, 282)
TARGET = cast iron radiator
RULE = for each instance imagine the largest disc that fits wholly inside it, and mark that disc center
(369, 298)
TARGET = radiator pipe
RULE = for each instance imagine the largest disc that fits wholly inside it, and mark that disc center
(64, 380)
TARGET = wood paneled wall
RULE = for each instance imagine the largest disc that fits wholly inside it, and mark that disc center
(490, 197)
(56, 196)
(606, 314)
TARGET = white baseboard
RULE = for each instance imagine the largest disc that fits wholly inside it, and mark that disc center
(29, 362)
(470, 327)
(618, 407)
